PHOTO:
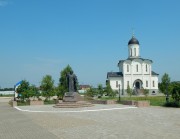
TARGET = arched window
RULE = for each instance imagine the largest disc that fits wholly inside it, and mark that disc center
(134, 51)
(137, 68)
(146, 83)
(153, 84)
(146, 68)
(117, 84)
(127, 68)
(131, 52)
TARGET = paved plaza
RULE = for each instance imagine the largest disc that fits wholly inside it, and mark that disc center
(98, 122)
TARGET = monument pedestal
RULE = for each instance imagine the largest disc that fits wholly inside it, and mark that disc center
(70, 97)
(72, 100)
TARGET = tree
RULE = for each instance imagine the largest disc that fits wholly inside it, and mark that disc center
(176, 92)
(33, 91)
(63, 78)
(23, 90)
(63, 85)
(129, 91)
(60, 90)
(100, 90)
(165, 83)
(47, 86)
(91, 92)
(109, 90)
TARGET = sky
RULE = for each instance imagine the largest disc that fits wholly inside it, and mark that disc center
(41, 37)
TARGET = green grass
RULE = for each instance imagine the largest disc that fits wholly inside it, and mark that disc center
(154, 100)
(108, 98)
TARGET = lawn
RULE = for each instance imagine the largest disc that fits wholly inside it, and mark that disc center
(154, 100)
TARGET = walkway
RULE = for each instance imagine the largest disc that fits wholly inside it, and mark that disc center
(15, 125)
(133, 123)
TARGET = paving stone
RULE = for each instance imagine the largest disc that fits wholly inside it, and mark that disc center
(139, 123)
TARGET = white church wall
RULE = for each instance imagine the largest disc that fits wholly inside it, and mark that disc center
(146, 82)
(136, 67)
(155, 84)
(146, 68)
(127, 80)
(114, 82)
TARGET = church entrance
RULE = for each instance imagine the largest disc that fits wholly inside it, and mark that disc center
(137, 84)
(137, 87)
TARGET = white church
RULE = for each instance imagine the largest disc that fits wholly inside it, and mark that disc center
(135, 72)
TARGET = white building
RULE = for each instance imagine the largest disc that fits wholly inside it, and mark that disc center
(135, 72)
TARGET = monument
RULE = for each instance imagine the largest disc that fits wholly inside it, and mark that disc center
(71, 98)
(72, 88)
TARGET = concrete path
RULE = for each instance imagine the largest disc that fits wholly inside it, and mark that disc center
(133, 123)
(15, 125)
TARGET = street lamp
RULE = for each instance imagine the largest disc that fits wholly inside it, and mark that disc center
(119, 93)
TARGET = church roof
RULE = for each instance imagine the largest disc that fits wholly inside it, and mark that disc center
(139, 58)
(120, 74)
(133, 40)
(114, 74)
(121, 61)
(154, 73)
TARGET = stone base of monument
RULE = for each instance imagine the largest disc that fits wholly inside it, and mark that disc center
(73, 100)
(71, 97)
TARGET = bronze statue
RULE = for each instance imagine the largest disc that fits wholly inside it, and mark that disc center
(72, 81)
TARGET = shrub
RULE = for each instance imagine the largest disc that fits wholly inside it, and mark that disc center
(172, 104)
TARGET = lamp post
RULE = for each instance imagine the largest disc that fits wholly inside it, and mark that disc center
(119, 93)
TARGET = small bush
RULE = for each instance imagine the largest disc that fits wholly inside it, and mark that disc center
(172, 104)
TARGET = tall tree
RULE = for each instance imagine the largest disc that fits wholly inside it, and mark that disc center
(23, 90)
(176, 91)
(100, 90)
(47, 86)
(60, 91)
(63, 84)
(33, 91)
(63, 77)
(109, 90)
(165, 83)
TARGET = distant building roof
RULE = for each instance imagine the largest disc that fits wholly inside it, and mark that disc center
(84, 86)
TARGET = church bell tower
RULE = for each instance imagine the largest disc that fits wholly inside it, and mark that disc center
(133, 48)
